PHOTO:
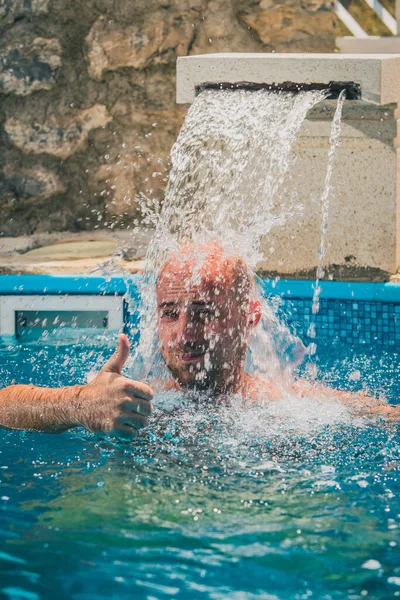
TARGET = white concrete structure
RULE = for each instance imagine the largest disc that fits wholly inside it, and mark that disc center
(363, 239)
(369, 45)
(11, 305)
(378, 76)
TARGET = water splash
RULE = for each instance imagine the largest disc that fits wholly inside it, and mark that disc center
(227, 183)
(228, 170)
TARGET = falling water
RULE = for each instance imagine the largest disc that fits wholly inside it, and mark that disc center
(227, 183)
(228, 169)
(325, 200)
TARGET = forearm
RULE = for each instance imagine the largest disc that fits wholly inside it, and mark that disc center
(359, 402)
(41, 409)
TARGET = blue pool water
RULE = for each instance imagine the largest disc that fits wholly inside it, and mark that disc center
(209, 502)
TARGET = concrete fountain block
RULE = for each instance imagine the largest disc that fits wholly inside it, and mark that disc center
(378, 76)
(373, 44)
(363, 239)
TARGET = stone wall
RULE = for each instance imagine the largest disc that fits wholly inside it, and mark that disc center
(87, 96)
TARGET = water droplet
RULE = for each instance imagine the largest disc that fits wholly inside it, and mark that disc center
(371, 564)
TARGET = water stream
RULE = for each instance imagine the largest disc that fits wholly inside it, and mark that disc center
(325, 200)
(227, 183)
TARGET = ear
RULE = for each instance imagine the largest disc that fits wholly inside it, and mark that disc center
(254, 313)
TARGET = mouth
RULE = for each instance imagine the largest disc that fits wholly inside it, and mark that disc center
(192, 356)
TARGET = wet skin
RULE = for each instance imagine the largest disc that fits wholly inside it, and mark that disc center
(110, 403)
(203, 332)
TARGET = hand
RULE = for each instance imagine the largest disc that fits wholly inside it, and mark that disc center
(113, 403)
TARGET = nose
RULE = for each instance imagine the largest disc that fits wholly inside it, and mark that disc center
(189, 329)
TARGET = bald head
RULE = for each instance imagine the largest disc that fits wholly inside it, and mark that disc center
(206, 309)
(208, 264)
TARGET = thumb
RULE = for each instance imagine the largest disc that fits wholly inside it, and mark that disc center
(119, 358)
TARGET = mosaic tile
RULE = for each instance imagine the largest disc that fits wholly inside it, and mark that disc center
(358, 322)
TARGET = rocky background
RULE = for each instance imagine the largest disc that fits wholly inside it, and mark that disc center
(87, 96)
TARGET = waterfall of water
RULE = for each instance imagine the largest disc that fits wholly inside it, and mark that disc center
(325, 201)
(227, 183)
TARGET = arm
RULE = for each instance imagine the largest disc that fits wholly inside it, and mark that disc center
(39, 409)
(110, 403)
(361, 402)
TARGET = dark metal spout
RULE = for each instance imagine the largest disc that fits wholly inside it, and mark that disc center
(333, 88)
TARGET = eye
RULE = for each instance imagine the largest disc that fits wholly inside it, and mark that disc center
(170, 314)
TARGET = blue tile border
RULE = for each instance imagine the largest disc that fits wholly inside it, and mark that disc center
(353, 312)
(336, 290)
(66, 284)
(353, 322)
(116, 284)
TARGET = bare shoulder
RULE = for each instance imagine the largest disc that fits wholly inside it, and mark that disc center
(312, 389)
(256, 389)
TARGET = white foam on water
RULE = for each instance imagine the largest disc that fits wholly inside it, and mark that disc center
(238, 421)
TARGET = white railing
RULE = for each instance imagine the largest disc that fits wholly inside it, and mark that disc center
(384, 15)
(392, 23)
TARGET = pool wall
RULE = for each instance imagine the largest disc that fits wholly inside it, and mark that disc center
(24, 297)
(352, 312)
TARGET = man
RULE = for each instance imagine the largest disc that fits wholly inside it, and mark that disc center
(207, 309)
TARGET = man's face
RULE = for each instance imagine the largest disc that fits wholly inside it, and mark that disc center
(203, 329)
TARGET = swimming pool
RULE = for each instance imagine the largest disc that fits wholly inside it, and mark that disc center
(276, 502)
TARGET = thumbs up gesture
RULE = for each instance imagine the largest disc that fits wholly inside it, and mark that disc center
(113, 403)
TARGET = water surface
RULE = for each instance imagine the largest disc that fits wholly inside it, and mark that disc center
(211, 502)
